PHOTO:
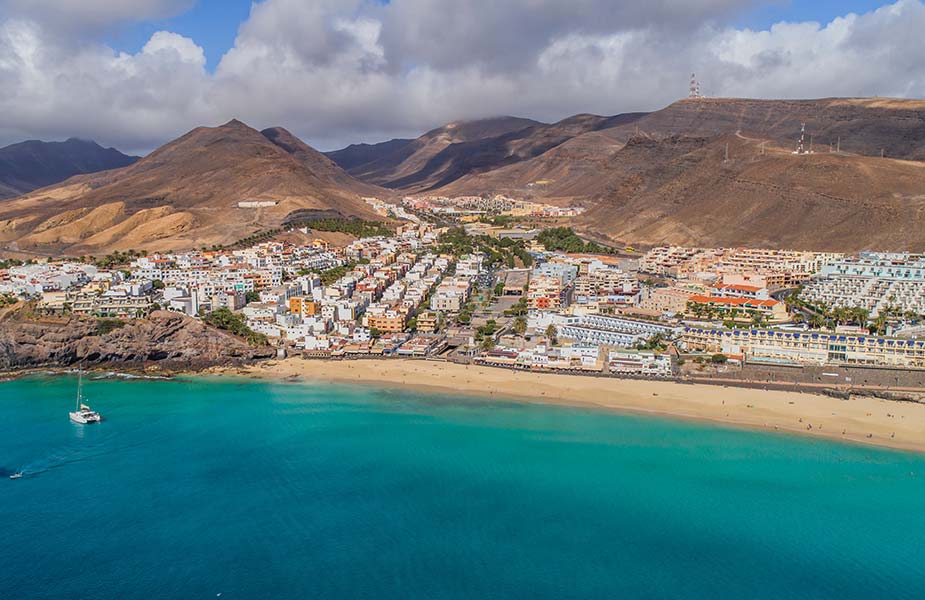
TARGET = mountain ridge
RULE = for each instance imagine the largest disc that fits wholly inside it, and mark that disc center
(33, 164)
(184, 194)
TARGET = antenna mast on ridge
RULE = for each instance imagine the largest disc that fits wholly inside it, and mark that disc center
(801, 146)
(694, 88)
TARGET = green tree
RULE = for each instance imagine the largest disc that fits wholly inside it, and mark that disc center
(695, 308)
(817, 321)
(551, 333)
(223, 318)
(519, 326)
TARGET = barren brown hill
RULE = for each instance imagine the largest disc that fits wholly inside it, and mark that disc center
(681, 190)
(574, 169)
(185, 194)
(412, 164)
(436, 166)
(570, 171)
(862, 125)
(356, 155)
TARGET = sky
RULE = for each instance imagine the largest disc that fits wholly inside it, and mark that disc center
(136, 73)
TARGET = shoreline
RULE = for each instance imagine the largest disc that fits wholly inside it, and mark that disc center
(861, 420)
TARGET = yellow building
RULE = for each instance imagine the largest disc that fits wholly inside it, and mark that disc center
(427, 322)
(388, 322)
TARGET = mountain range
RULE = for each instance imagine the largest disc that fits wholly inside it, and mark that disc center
(29, 165)
(698, 172)
(185, 194)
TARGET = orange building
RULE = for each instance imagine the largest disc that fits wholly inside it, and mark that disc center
(303, 306)
(390, 322)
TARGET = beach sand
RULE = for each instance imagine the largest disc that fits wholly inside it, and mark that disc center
(861, 419)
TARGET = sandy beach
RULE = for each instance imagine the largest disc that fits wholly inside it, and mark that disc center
(862, 420)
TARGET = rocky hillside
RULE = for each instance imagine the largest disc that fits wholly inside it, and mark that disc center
(574, 169)
(27, 166)
(424, 162)
(663, 177)
(683, 190)
(356, 155)
(169, 340)
(184, 195)
(861, 125)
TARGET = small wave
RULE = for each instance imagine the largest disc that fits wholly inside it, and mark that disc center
(128, 376)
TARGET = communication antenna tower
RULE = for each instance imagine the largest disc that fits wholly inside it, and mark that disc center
(694, 88)
(801, 145)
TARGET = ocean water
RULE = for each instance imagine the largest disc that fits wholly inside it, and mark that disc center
(242, 489)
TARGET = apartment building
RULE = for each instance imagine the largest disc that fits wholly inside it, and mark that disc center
(599, 329)
(428, 322)
(762, 345)
(666, 300)
(639, 362)
(388, 321)
(451, 295)
(732, 290)
(873, 281)
(545, 292)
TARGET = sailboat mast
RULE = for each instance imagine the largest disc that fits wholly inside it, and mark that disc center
(79, 386)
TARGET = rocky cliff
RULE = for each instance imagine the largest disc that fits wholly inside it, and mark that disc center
(166, 339)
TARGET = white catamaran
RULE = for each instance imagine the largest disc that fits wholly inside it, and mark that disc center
(83, 414)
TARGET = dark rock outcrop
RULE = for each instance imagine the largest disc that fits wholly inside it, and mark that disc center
(169, 340)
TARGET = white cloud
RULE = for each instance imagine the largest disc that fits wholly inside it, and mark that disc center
(179, 47)
(336, 71)
(131, 100)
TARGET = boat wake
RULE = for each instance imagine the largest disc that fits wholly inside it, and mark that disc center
(108, 443)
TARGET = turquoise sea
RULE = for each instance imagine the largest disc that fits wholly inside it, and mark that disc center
(241, 489)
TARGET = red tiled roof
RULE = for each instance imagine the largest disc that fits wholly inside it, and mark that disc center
(743, 288)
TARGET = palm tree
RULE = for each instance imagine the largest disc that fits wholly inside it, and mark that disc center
(551, 333)
(817, 321)
(519, 326)
(696, 309)
(879, 324)
(860, 315)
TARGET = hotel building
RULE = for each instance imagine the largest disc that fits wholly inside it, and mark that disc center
(762, 345)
